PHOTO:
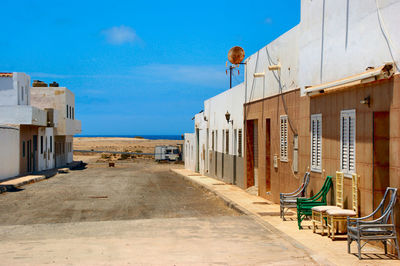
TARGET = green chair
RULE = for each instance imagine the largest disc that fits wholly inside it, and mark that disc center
(305, 205)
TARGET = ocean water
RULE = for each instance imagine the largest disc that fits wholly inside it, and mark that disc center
(171, 137)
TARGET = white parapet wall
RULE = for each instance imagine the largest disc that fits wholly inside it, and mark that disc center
(22, 115)
(9, 152)
(14, 89)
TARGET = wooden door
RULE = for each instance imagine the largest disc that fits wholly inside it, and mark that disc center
(268, 154)
(381, 156)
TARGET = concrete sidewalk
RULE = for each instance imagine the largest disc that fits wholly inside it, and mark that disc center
(19, 181)
(321, 248)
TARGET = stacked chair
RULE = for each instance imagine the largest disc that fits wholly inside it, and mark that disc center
(335, 216)
(289, 200)
(318, 213)
(304, 205)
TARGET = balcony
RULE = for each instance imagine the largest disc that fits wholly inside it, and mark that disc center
(22, 115)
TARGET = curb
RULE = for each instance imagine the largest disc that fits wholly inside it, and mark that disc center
(231, 204)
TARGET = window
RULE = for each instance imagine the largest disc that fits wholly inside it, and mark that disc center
(41, 144)
(67, 110)
(22, 93)
(284, 138)
(227, 141)
(316, 142)
(23, 149)
(70, 112)
(348, 141)
(216, 140)
(212, 140)
(240, 143)
(73, 113)
(51, 143)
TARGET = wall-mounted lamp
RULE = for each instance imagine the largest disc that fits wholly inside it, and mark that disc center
(367, 101)
(205, 118)
(228, 117)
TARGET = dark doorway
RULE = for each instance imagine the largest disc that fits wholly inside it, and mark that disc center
(35, 146)
(268, 154)
(197, 150)
(251, 152)
(381, 156)
(29, 156)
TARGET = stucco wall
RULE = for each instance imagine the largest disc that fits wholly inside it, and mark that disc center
(9, 152)
(58, 98)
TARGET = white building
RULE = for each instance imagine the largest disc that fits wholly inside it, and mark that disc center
(62, 101)
(38, 128)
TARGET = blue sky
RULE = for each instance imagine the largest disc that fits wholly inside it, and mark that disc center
(137, 67)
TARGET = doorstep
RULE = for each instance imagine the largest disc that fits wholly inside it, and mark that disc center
(321, 248)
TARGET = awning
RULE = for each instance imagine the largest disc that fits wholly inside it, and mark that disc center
(383, 72)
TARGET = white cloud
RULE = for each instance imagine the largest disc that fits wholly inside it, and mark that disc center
(120, 34)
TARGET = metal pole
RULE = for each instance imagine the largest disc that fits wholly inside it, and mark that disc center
(230, 77)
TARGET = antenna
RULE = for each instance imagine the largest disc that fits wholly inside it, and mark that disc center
(235, 56)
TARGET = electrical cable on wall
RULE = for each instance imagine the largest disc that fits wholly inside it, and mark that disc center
(385, 34)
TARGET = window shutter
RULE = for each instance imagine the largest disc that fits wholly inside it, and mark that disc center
(316, 142)
(284, 138)
(348, 141)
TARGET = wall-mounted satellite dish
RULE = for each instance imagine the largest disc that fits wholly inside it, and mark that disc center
(236, 55)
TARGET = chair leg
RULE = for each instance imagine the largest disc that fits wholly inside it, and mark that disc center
(281, 213)
(397, 247)
(299, 220)
(313, 222)
(359, 249)
(348, 244)
(385, 246)
(322, 224)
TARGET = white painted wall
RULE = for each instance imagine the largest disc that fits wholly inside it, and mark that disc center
(190, 151)
(340, 38)
(9, 152)
(215, 109)
(283, 51)
(46, 150)
(15, 90)
(213, 119)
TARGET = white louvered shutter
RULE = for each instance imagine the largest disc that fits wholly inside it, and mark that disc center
(284, 138)
(348, 141)
(316, 142)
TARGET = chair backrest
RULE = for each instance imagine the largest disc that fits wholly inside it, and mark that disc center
(324, 190)
(339, 189)
(387, 212)
(354, 191)
(306, 181)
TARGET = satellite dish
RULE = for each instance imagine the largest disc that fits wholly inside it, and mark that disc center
(236, 55)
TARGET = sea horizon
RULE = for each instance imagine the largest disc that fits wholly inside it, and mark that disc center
(153, 137)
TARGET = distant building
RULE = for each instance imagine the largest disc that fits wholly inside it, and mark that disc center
(60, 103)
(39, 131)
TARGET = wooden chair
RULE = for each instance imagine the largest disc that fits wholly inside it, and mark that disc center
(359, 229)
(319, 212)
(289, 200)
(304, 205)
(336, 216)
